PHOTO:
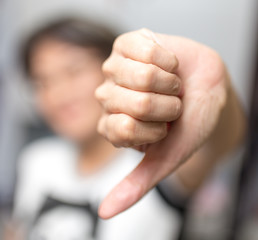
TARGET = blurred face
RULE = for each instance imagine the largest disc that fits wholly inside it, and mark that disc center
(65, 78)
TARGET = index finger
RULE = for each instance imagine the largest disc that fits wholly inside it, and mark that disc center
(143, 46)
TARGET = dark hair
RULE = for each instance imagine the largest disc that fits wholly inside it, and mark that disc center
(77, 32)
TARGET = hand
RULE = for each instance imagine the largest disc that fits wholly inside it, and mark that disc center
(145, 88)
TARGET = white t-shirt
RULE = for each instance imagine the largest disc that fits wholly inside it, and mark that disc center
(56, 203)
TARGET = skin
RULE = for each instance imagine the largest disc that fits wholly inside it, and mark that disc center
(154, 80)
(65, 77)
(157, 79)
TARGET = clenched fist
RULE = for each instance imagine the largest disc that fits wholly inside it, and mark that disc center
(152, 80)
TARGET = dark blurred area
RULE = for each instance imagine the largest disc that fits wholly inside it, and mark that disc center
(227, 26)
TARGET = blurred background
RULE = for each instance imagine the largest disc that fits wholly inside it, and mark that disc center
(227, 26)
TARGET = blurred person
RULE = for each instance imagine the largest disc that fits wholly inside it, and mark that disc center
(62, 180)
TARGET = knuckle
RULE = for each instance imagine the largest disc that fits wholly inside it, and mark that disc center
(178, 106)
(126, 132)
(176, 62)
(115, 140)
(145, 76)
(174, 84)
(149, 50)
(143, 105)
(101, 128)
(111, 132)
(147, 33)
(161, 132)
(106, 66)
(100, 93)
(144, 30)
(118, 43)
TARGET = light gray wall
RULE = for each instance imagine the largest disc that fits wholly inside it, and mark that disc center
(229, 26)
(11, 135)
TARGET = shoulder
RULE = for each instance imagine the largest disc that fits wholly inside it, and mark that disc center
(43, 153)
(53, 144)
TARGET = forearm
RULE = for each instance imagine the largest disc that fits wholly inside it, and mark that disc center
(227, 135)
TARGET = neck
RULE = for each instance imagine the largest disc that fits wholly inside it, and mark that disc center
(95, 155)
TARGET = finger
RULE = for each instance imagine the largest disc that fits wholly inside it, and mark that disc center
(143, 106)
(141, 77)
(160, 160)
(129, 132)
(141, 46)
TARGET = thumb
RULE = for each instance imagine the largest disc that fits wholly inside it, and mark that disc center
(160, 159)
